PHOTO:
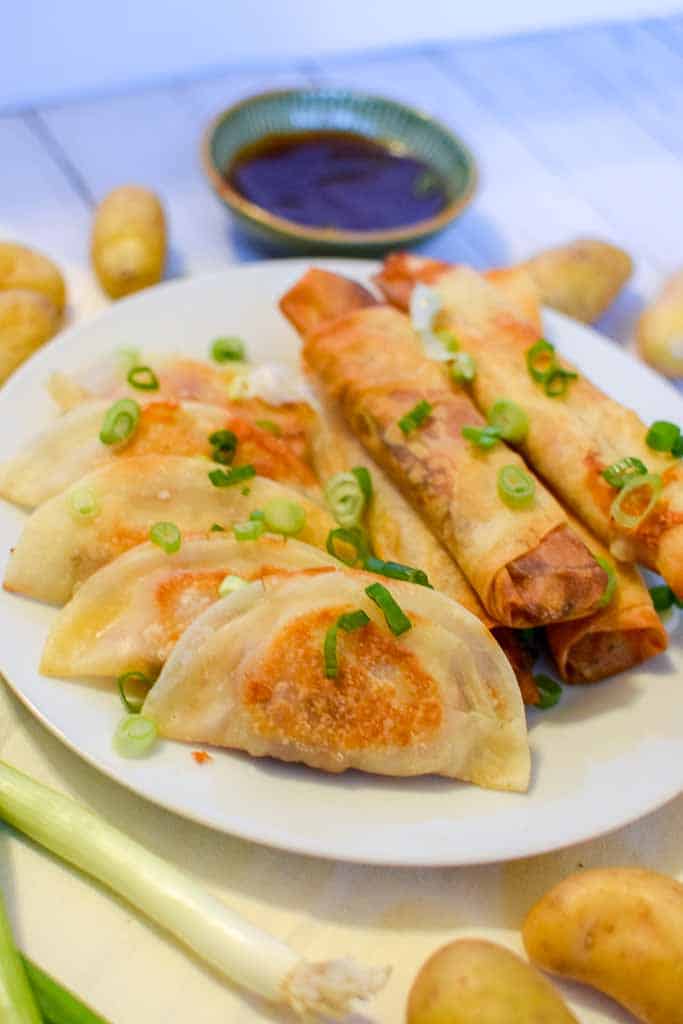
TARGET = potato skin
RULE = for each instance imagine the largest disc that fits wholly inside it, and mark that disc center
(471, 981)
(128, 245)
(660, 329)
(580, 279)
(27, 320)
(619, 930)
(21, 267)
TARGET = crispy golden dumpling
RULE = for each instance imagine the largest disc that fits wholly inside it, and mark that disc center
(440, 698)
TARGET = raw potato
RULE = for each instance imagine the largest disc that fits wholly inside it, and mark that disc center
(21, 267)
(475, 982)
(129, 241)
(660, 329)
(619, 930)
(27, 320)
(580, 279)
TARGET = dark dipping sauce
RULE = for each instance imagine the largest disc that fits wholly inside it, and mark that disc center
(337, 180)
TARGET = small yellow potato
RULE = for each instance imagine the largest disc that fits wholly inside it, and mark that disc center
(660, 329)
(27, 320)
(21, 267)
(619, 930)
(129, 241)
(471, 981)
(580, 279)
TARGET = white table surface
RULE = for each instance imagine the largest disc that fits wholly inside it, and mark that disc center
(576, 134)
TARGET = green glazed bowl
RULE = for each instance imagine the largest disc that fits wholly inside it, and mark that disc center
(297, 110)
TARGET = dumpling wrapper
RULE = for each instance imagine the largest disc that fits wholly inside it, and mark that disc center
(441, 698)
(57, 551)
(129, 614)
(71, 447)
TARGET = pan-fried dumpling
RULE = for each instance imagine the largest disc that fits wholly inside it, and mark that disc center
(59, 547)
(440, 698)
(130, 613)
(71, 447)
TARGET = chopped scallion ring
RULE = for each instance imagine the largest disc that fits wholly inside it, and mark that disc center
(624, 470)
(662, 436)
(270, 426)
(167, 536)
(510, 419)
(482, 437)
(363, 477)
(549, 689)
(250, 530)
(227, 350)
(611, 586)
(463, 368)
(425, 303)
(217, 528)
(397, 571)
(345, 498)
(135, 736)
(394, 616)
(83, 503)
(349, 621)
(630, 521)
(540, 359)
(219, 478)
(416, 417)
(120, 421)
(230, 584)
(515, 487)
(133, 705)
(143, 378)
(223, 439)
(240, 387)
(283, 516)
(355, 538)
(662, 597)
(557, 381)
(447, 339)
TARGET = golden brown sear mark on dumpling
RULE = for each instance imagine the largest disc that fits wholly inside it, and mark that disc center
(382, 697)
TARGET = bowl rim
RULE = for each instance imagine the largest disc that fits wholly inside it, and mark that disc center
(301, 232)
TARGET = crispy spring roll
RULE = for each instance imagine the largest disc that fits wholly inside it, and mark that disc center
(571, 438)
(526, 565)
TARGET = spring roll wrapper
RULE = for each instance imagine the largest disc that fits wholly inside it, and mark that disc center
(571, 439)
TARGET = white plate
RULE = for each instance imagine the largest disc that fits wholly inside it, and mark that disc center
(605, 756)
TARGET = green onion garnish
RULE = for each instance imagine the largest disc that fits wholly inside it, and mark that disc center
(624, 470)
(662, 436)
(463, 368)
(447, 338)
(144, 378)
(257, 513)
(540, 360)
(363, 477)
(251, 530)
(648, 480)
(611, 586)
(662, 597)
(227, 350)
(133, 705)
(219, 478)
(416, 417)
(394, 616)
(83, 503)
(217, 528)
(557, 381)
(283, 516)
(677, 447)
(167, 536)
(135, 735)
(510, 419)
(355, 538)
(230, 584)
(345, 498)
(270, 426)
(515, 487)
(482, 437)
(224, 443)
(549, 689)
(348, 622)
(120, 421)
(397, 571)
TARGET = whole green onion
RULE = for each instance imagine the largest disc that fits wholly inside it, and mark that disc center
(624, 470)
(83, 503)
(227, 350)
(510, 419)
(396, 571)
(57, 1004)
(611, 586)
(167, 536)
(631, 522)
(394, 616)
(515, 487)
(135, 736)
(133, 705)
(463, 368)
(17, 1002)
(120, 421)
(662, 436)
(348, 622)
(482, 437)
(237, 475)
(345, 498)
(144, 378)
(557, 381)
(416, 417)
(549, 689)
(248, 531)
(540, 360)
(355, 538)
(283, 516)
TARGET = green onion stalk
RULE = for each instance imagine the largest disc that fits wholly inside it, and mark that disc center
(17, 1002)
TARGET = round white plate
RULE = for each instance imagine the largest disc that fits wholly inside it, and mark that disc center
(605, 756)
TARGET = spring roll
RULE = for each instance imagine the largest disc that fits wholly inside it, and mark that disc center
(571, 438)
(525, 564)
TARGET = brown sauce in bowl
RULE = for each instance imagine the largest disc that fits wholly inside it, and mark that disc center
(337, 180)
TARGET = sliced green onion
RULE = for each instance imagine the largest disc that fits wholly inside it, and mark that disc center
(662, 597)
(662, 436)
(120, 421)
(17, 1001)
(257, 513)
(557, 381)
(394, 616)
(167, 536)
(515, 487)
(83, 503)
(425, 303)
(135, 736)
(549, 689)
(482, 437)
(144, 378)
(540, 360)
(353, 620)
(348, 622)
(219, 478)
(270, 426)
(416, 417)
(227, 350)
(245, 491)
(217, 528)
(127, 359)
(624, 470)
(610, 588)
(511, 420)
(618, 513)
(239, 387)
(355, 538)
(133, 705)
(463, 368)
(230, 584)
(447, 338)
(364, 478)
(223, 439)
(57, 1004)
(283, 516)
(397, 571)
(677, 447)
(248, 531)
(345, 498)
